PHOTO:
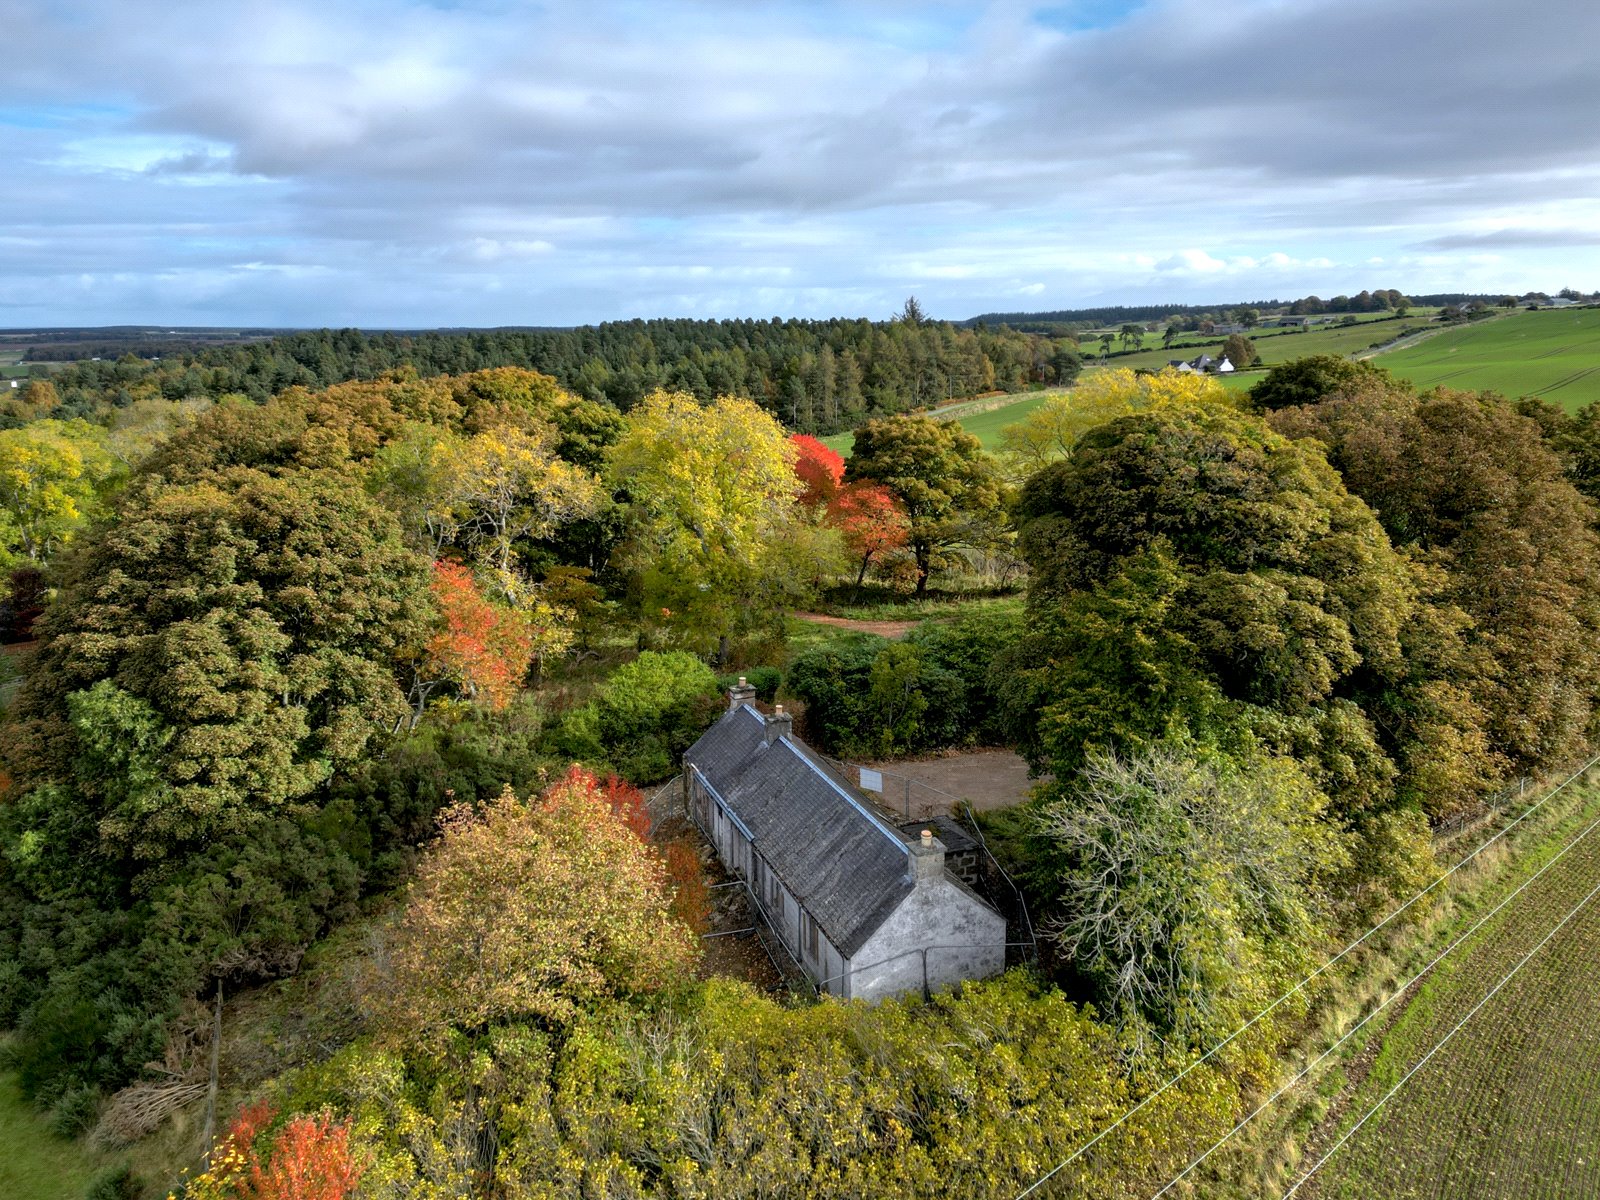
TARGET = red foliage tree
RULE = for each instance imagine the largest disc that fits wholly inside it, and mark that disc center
(871, 521)
(308, 1159)
(626, 801)
(482, 647)
(691, 897)
(820, 470)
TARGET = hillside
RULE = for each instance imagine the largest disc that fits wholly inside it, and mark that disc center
(1551, 353)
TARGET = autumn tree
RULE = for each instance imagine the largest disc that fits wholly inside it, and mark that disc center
(308, 1158)
(531, 911)
(950, 489)
(505, 484)
(481, 647)
(871, 521)
(1240, 350)
(52, 474)
(1469, 485)
(712, 507)
(819, 469)
(1051, 430)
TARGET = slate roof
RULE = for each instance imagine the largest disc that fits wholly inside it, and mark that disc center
(846, 865)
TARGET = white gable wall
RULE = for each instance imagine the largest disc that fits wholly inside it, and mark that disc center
(965, 939)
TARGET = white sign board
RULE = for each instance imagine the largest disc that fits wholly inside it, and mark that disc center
(871, 781)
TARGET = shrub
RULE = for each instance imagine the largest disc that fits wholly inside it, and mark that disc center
(115, 1183)
(649, 712)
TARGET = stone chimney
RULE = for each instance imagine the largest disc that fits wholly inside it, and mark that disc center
(926, 859)
(779, 724)
(740, 693)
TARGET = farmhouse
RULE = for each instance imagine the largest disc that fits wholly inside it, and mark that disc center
(868, 910)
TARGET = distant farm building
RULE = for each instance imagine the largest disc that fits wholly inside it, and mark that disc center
(868, 909)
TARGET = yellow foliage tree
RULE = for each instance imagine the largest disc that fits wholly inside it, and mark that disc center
(1050, 431)
(714, 493)
(532, 911)
(50, 476)
(507, 483)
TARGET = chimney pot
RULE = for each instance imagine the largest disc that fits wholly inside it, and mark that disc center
(780, 724)
(740, 694)
(926, 856)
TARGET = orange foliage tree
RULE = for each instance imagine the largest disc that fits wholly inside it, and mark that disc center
(531, 911)
(308, 1159)
(482, 647)
(819, 469)
(871, 521)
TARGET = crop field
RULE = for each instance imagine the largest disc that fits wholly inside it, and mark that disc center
(1553, 353)
(1509, 1108)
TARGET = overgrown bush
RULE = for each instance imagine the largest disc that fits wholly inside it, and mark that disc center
(868, 696)
(115, 1183)
(649, 712)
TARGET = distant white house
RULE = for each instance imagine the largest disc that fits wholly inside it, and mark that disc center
(1222, 366)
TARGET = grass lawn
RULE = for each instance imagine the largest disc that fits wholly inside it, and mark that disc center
(35, 1164)
(1553, 353)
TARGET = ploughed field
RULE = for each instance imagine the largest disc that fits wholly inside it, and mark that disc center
(1553, 353)
(1509, 1108)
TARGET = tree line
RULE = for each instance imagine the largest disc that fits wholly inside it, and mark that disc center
(816, 376)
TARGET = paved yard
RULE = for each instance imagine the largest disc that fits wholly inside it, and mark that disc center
(987, 779)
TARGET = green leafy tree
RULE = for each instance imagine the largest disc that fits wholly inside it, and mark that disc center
(951, 490)
(1310, 379)
(250, 628)
(1212, 556)
(1185, 881)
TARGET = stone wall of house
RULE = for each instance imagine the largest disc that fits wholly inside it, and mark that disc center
(959, 936)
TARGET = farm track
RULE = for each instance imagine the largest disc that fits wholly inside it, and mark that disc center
(1508, 1108)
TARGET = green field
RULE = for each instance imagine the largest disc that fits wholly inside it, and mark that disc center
(34, 1163)
(984, 418)
(1507, 1109)
(1277, 348)
(1554, 353)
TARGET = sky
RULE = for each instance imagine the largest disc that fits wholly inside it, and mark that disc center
(488, 162)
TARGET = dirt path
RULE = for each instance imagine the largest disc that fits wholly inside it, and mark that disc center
(888, 629)
(988, 779)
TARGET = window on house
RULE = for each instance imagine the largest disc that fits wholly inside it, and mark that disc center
(810, 934)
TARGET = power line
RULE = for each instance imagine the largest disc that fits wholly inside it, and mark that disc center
(1460, 1025)
(1081, 1150)
(1361, 1024)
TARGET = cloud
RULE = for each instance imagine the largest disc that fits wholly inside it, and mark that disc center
(811, 157)
(1509, 239)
